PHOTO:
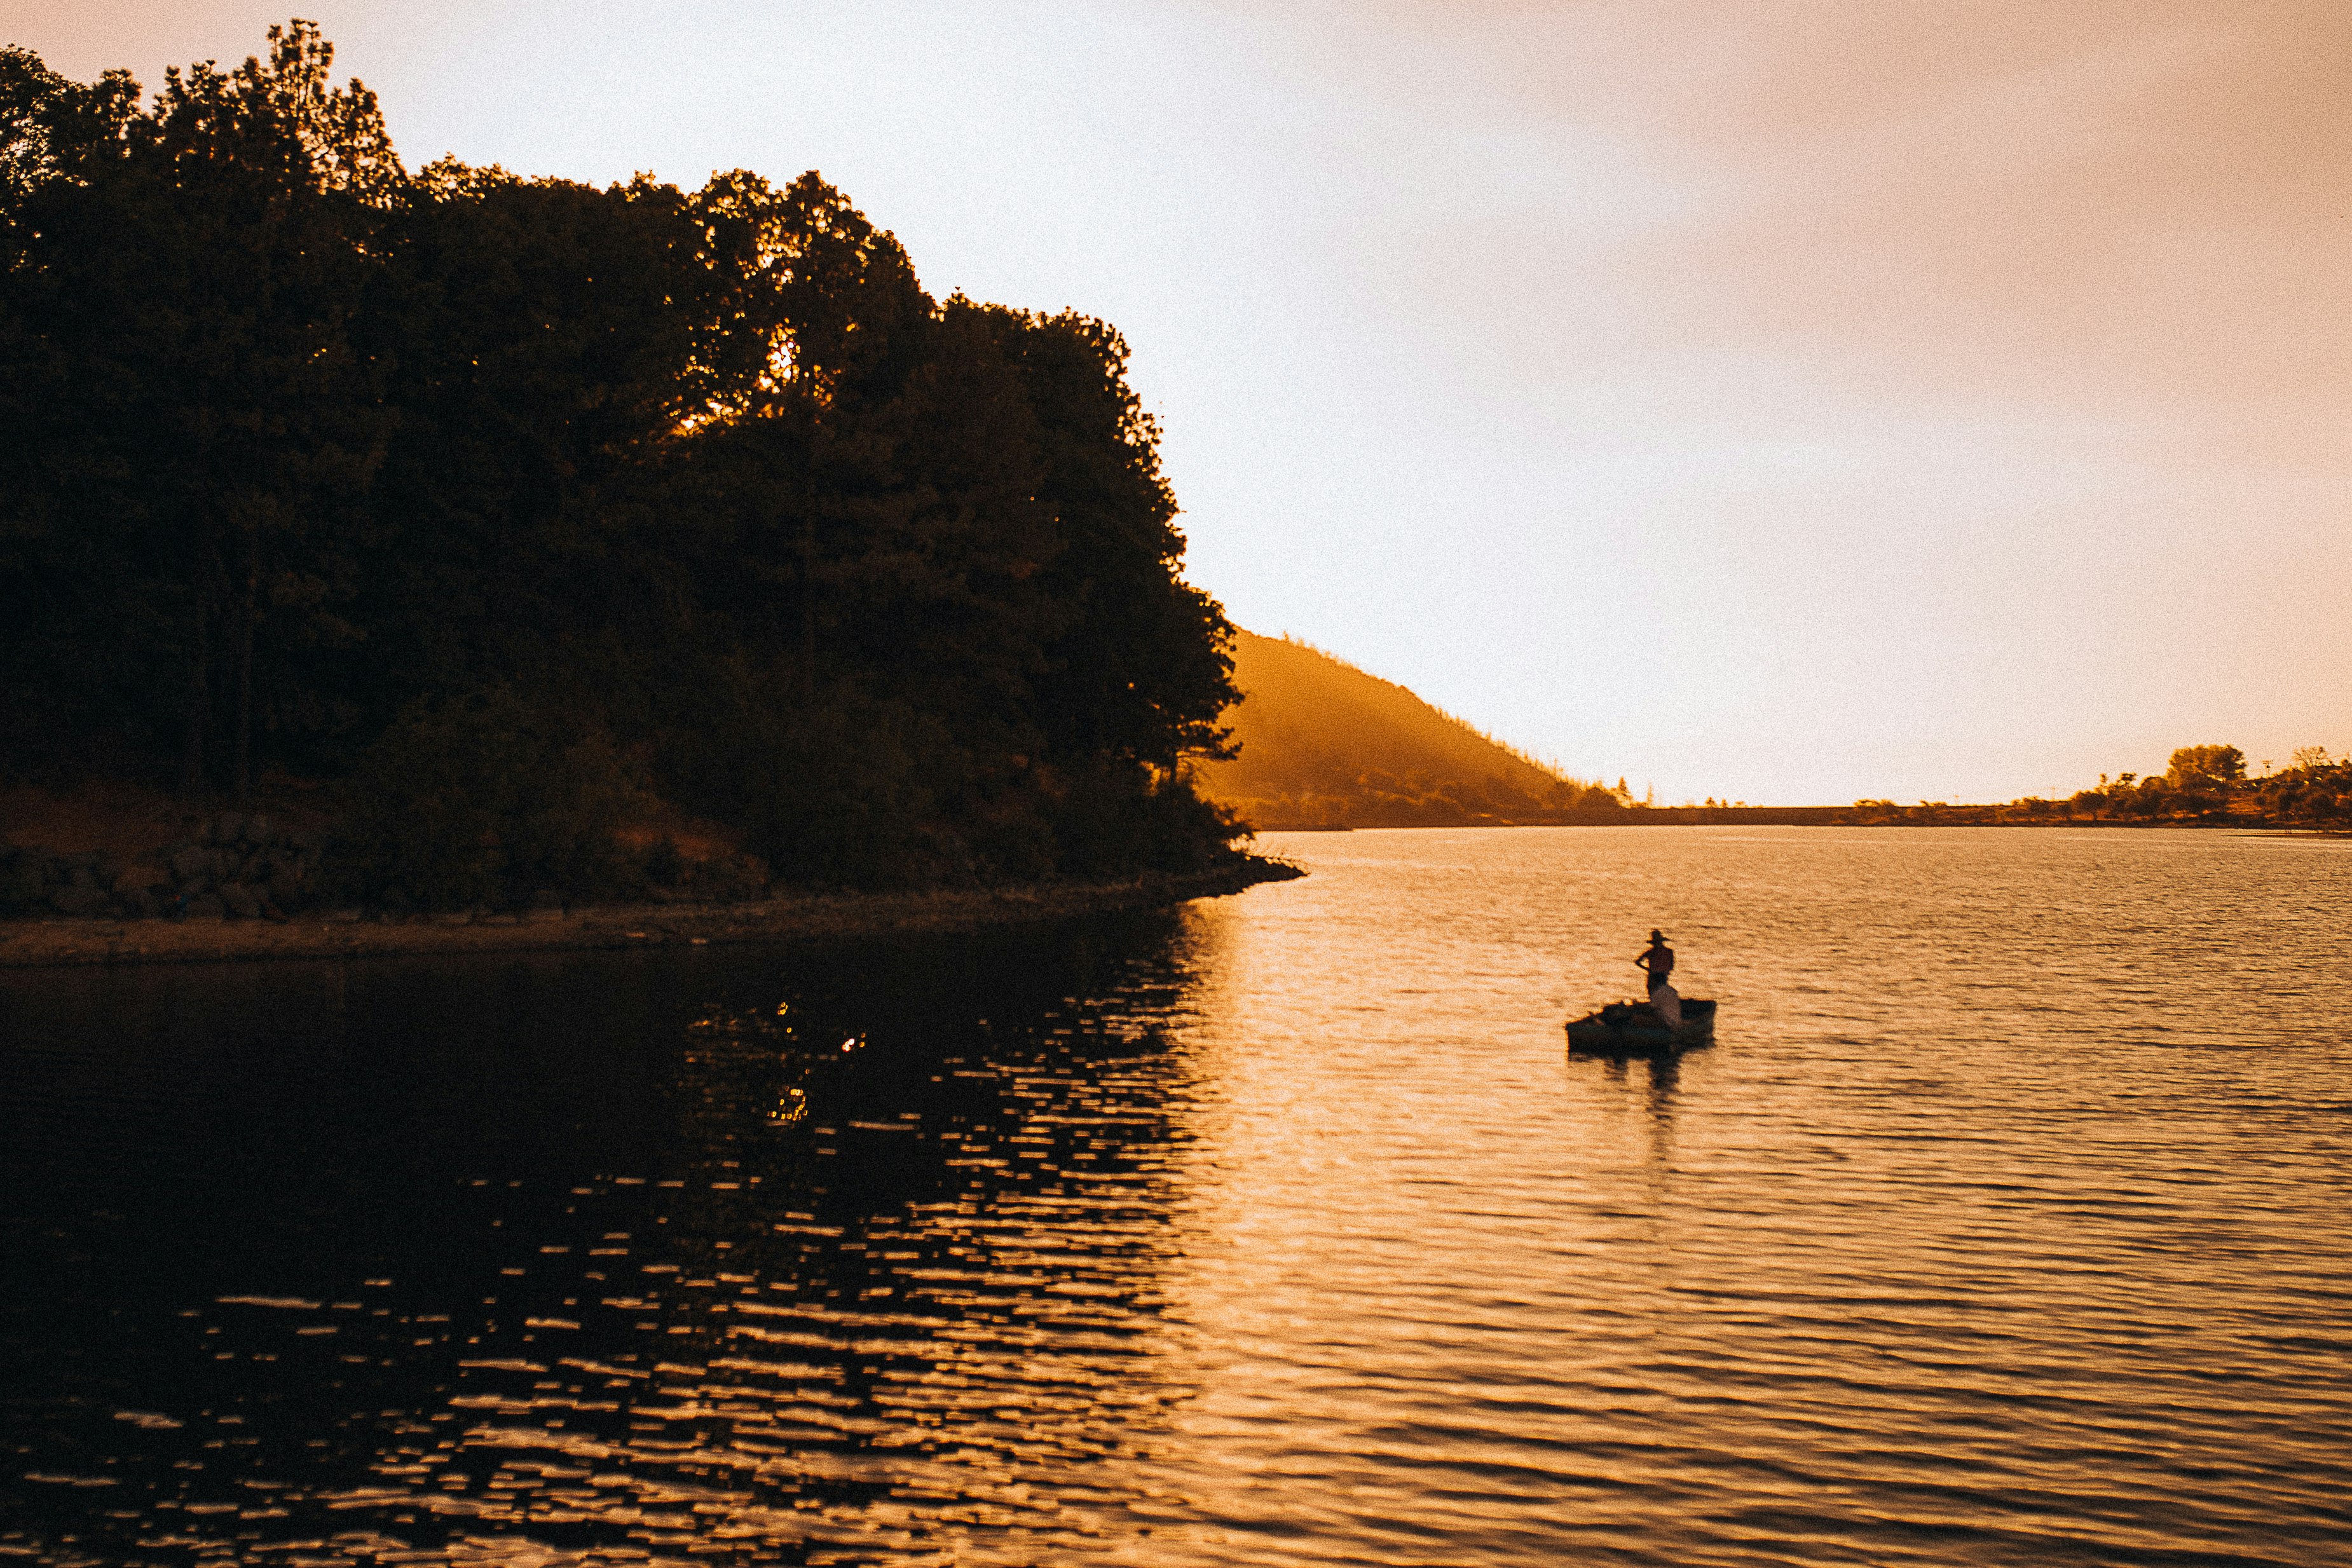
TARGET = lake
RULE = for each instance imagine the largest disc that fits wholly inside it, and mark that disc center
(2006, 1223)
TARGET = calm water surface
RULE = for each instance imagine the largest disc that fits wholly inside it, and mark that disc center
(2006, 1224)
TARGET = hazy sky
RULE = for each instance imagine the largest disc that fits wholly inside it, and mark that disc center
(1784, 401)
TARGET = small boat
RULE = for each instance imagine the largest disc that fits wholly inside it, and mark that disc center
(1634, 1028)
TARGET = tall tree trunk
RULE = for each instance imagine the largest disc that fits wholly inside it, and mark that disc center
(199, 697)
(808, 596)
(247, 611)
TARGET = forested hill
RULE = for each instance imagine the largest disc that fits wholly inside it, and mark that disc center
(1325, 745)
(496, 508)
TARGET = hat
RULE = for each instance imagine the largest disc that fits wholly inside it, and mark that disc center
(1657, 935)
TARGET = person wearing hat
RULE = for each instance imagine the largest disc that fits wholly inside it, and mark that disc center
(1659, 960)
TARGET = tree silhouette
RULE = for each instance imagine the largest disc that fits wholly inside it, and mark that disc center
(295, 442)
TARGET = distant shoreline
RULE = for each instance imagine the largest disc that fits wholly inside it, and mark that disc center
(63, 943)
(1815, 817)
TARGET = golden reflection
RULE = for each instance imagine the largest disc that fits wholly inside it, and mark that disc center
(1291, 1239)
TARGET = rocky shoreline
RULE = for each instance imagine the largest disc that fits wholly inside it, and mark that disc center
(234, 867)
(252, 865)
(106, 938)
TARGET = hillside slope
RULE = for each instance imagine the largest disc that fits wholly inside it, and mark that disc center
(1325, 745)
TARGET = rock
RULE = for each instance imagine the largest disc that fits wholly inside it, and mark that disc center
(240, 901)
(85, 902)
(256, 829)
(82, 876)
(547, 898)
(284, 890)
(136, 879)
(205, 907)
(227, 828)
(139, 904)
(190, 863)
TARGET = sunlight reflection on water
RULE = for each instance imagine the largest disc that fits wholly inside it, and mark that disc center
(2004, 1225)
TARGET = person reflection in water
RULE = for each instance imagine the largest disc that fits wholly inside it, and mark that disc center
(1659, 960)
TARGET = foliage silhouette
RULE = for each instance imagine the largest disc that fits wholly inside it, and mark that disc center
(311, 463)
(484, 799)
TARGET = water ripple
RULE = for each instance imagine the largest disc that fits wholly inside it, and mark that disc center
(2005, 1225)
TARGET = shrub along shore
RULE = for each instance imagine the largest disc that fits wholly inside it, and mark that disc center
(63, 940)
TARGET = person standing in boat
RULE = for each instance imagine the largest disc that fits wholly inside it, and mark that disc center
(1659, 960)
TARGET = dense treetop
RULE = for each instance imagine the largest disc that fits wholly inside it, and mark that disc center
(312, 463)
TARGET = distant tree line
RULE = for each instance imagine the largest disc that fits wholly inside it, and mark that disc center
(506, 501)
(2199, 784)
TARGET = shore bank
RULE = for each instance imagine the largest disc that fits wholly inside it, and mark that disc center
(35, 943)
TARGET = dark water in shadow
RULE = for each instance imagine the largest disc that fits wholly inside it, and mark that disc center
(2007, 1224)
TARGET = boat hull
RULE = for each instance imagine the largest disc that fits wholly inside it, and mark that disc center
(1625, 1029)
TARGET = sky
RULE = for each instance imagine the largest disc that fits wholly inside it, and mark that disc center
(1785, 401)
